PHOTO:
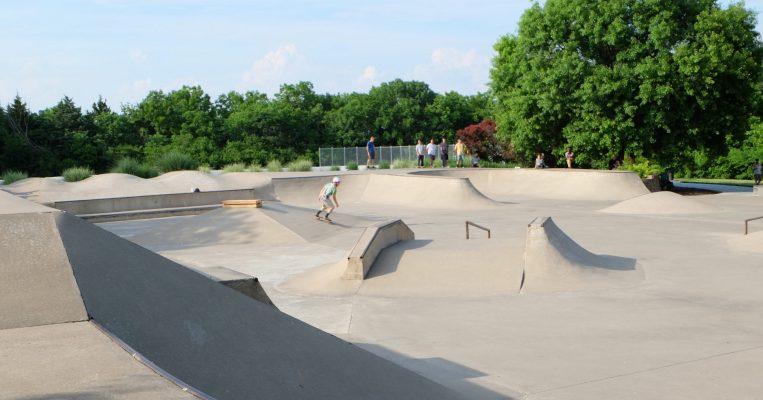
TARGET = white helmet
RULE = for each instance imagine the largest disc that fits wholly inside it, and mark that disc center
(336, 180)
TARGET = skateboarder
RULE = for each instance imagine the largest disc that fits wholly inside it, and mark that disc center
(371, 152)
(756, 171)
(327, 197)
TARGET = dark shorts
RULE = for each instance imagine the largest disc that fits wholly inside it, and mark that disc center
(371, 155)
(432, 157)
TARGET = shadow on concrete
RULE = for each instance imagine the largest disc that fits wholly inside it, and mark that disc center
(445, 372)
(389, 258)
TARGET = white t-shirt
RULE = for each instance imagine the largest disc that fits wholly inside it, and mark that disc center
(420, 149)
(432, 149)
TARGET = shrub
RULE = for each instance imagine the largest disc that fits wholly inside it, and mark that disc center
(75, 174)
(352, 166)
(176, 161)
(274, 166)
(642, 167)
(335, 168)
(205, 168)
(131, 166)
(383, 164)
(300, 166)
(255, 168)
(399, 164)
(236, 167)
(13, 176)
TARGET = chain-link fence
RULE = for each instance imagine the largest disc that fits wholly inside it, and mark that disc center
(338, 156)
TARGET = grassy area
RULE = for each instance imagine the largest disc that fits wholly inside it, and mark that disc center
(732, 182)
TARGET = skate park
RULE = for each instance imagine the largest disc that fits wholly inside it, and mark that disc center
(589, 286)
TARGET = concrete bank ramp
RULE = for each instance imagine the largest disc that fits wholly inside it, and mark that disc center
(660, 203)
(224, 225)
(562, 184)
(553, 262)
(216, 339)
(411, 191)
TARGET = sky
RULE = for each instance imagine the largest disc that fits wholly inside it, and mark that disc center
(122, 49)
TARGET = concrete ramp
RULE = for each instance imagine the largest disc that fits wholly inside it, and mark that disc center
(410, 191)
(216, 339)
(554, 262)
(660, 203)
(562, 184)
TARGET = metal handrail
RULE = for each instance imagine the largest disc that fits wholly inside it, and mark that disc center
(748, 220)
(478, 226)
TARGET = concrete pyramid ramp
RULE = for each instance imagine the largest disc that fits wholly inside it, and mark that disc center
(660, 203)
(554, 262)
(216, 339)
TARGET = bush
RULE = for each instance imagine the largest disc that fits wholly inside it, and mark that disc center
(300, 166)
(642, 167)
(352, 166)
(255, 167)
(13, 176)
(335, 168)
(399, 164)
(236, 167)
(384, 165)
(205, 168)
(176, 161)
(274, 166)
(131, 166)
(76, 174)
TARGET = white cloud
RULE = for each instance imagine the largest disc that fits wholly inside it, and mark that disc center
(270, 71)
(465, 71)
(368, 78)
(138, 56)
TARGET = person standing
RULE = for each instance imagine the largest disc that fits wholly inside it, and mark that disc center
(461, 150)
(444, 153)
(420, 149)
(431, 152)
(756, 171)
(570, 156)
(371, 151)
(540, 163)
(328, 200)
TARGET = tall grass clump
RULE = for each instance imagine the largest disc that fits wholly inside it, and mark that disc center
(76, 174)
(352, 166)
(235, 167)
(274, 166)
(176, 161)
(205, 168)
(399, 164)
(383, 164)
(11, 176)
(132, 166)
(335, 168)
(300, 166)
(255, 168)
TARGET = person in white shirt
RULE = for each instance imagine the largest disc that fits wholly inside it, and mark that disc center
(432, 152)
(420, 149)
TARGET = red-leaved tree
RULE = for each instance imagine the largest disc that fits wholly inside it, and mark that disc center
(480, 139)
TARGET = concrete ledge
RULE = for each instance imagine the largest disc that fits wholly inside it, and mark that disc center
(147, 214)
(373, 240)
(240, 282)
(151, 202)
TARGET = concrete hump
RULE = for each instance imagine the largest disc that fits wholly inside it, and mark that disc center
(554, 262)
(216, 339)
(37, 286)
(660, 203)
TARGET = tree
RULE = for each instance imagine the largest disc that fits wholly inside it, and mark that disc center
(615, 77)
(480, 139)
(399, 109)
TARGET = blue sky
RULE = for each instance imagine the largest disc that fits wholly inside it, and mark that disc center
(122, 49)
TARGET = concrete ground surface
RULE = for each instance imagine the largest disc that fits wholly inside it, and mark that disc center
(660, 299)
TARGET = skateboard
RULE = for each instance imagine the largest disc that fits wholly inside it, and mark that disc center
(328, 221)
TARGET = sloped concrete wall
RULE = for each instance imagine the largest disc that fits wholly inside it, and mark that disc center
(373, 240)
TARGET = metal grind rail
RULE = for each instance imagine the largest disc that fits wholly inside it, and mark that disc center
(747, 221)
(480, 227)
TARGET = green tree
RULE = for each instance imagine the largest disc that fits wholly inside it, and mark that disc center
(400, 110)
(664, 80)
